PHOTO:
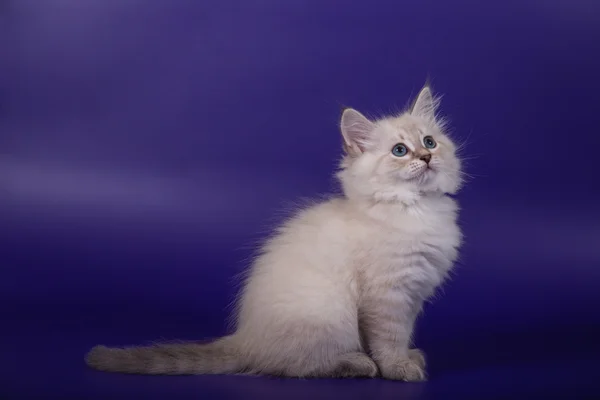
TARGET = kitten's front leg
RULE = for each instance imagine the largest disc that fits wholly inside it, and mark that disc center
(387, 331)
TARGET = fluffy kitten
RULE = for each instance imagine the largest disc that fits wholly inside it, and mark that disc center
(336, 291)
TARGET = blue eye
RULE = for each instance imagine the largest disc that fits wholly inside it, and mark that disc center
(429, 142)
(399, 150)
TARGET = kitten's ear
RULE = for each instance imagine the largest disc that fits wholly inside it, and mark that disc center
(425, 104)
(356, 130)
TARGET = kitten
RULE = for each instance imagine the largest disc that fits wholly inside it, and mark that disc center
(336, 291)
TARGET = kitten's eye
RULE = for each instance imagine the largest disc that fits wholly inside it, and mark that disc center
(429, 142)
(399, 150)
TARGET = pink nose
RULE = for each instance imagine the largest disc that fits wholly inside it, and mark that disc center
(426, 158)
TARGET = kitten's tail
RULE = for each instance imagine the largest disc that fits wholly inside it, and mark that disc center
(218, 357)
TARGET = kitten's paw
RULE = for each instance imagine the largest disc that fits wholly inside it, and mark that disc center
(418, 357)
(405, 370)
(355, 365)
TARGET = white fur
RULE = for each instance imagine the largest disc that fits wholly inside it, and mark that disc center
(337, 289)
(378, 252)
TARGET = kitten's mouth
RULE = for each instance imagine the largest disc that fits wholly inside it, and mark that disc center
(419, 176)
(422, 175)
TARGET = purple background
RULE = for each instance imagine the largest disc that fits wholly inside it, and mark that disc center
(145, 146)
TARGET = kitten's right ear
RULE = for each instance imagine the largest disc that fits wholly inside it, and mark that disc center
(356, 131)
(425, 105)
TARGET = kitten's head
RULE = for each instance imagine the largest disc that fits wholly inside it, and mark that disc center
(400, 158)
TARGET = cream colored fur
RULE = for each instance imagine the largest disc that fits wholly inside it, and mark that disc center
(337, 289)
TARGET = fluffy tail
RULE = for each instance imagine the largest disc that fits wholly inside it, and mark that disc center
(218, 357)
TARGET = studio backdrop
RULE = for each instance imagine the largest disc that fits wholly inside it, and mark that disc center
(147, 147)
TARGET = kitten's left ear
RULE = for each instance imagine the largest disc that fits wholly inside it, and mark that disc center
(425, 104)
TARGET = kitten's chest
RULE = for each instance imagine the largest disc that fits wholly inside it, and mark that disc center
(412, 254)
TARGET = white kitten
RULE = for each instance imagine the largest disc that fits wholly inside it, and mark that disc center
(336, 291)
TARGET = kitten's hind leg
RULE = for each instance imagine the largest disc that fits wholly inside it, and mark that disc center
(355, 365)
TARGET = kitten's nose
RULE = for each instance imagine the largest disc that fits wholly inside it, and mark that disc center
(426, 158)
